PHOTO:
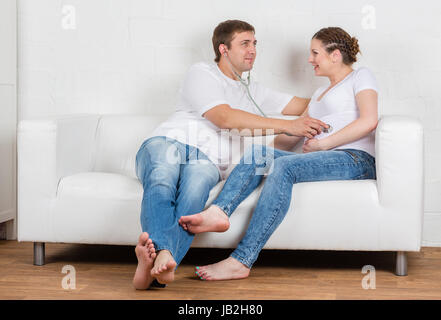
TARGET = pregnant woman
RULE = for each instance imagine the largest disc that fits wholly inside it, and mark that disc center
(345, 151)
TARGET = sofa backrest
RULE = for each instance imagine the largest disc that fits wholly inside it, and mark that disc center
(118, 139)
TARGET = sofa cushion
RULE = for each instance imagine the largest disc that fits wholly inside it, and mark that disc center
(118, 140)
(99, 207)
(100, 185)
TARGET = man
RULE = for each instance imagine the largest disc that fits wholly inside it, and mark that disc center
(188, 154)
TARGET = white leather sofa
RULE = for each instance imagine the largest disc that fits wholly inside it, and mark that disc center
(77, 184)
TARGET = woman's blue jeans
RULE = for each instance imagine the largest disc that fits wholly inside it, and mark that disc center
(177, 179)
(283, 170)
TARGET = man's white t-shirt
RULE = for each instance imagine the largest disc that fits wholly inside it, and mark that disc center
(338, 107)
(206, 86)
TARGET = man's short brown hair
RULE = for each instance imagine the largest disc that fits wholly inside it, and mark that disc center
(223, 34)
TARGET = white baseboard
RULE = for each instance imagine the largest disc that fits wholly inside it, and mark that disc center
(7, 215)
(11, 229)
(432, 229)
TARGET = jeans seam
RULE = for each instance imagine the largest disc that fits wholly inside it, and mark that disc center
(329, 164)
(241, 259)
(276, 211)
(244, 187)
(370, 159)
(354, 156)
(271, 222)
(226, 213)
(360, 164)
(159, 248)
(191, 151)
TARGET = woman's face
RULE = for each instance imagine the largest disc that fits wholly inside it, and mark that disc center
(320, 59)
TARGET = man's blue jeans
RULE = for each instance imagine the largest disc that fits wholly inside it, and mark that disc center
(177, 179)
(284, 169)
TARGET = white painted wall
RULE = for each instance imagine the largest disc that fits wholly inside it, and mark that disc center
(8, 115)
(129, 56)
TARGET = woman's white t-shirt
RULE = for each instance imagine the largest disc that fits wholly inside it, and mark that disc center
(206, 86)
(338, 107)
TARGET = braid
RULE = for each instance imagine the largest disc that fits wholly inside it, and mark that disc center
(354, 47)
(336, 38)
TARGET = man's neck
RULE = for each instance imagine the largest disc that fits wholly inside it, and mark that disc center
(227, 70)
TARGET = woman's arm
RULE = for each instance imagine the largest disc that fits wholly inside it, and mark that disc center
(367, 102)
(296, 106)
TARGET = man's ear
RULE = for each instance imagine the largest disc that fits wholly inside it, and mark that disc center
(222, 49)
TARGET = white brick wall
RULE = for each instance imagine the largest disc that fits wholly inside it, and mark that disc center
(8, 119)
(129, 56)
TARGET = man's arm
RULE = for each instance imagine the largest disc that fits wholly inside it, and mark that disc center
(287, 143)
(296, 106)
(225, 117)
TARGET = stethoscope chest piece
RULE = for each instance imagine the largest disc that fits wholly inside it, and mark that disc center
(327, 130)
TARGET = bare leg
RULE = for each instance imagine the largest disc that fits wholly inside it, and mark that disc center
(145, 252)
(164, 267)
(228, 269)
(211, 220)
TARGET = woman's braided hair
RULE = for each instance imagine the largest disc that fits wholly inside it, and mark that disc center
(336, 38)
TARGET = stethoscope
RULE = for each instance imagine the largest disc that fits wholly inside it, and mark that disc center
(246, 84)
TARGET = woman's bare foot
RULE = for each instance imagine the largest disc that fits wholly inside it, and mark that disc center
(164, 267)
(211, 220)
(228, 269)
(145, 252)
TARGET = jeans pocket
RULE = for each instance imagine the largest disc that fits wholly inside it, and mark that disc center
(195, 155)
(352, 155)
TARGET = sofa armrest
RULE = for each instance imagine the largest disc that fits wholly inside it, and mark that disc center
(399, 149)
(47, 150)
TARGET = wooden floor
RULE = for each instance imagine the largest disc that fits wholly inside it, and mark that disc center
(106, 272)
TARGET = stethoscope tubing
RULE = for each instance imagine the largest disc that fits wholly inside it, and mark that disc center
(246, 84)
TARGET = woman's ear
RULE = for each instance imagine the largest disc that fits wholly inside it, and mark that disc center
(336, 56)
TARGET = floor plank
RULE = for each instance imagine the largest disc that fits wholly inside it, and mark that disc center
(106, 272)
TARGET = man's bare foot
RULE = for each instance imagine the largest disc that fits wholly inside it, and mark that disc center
(228, 269)
(145, 252)
(164, 267)
(211, 220)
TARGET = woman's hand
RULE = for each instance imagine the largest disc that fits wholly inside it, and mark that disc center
(312, 145)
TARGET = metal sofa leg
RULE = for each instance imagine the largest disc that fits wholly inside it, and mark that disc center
(401, 264)
(39, 253)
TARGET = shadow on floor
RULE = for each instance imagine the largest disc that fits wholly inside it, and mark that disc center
(301, 258)
(202, 256)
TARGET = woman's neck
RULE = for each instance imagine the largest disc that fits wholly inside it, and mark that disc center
(340, 75)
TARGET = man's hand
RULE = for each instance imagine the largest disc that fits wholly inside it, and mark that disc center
(305, 127)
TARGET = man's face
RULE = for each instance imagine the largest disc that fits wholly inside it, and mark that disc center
(242, 51)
